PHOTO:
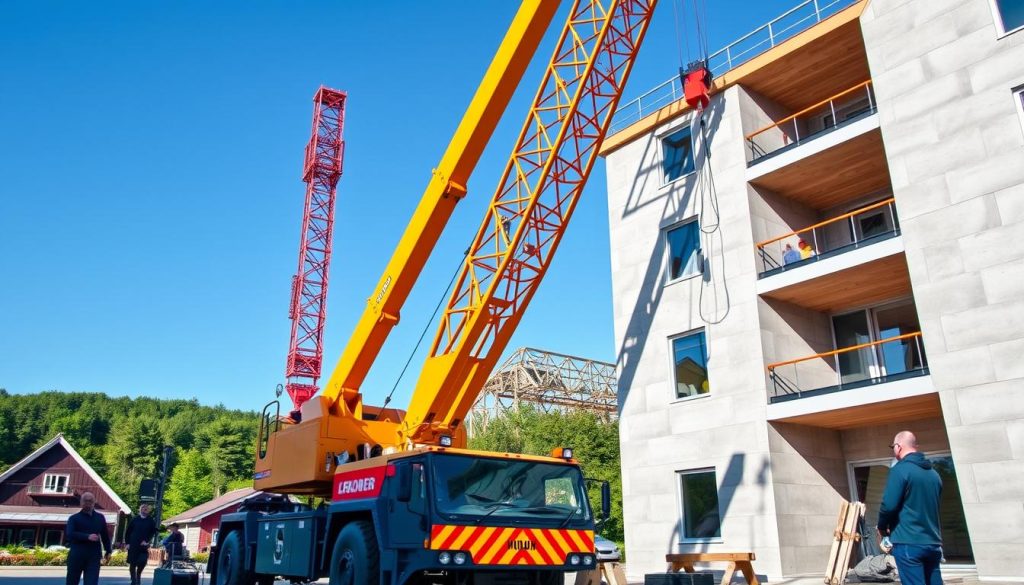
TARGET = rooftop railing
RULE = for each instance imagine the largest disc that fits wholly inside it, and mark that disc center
(843, 108)
(791, 23)
(849, 231)
(885, 360)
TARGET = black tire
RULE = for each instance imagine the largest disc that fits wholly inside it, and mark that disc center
(355, 559)
(231, 561)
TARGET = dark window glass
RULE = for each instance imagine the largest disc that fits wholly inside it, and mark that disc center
(1012, 13)
(691, 365)
(683, 244)
(677, 149)
(700, 505)
(507, 489)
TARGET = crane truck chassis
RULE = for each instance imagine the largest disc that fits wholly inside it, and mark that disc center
(432, 515)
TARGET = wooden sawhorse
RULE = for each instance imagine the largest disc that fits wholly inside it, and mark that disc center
(741, 561)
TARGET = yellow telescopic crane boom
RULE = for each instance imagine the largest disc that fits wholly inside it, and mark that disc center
(530, 209)
(447, 186)
(524, 224)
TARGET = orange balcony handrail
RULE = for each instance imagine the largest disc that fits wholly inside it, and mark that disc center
(808, 109)
(771, 367)
(761, 245)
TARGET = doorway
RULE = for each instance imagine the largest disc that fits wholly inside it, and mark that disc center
(867, 482)
(900, 358)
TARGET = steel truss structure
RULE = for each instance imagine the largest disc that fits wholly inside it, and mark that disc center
(308, 308)
(548, 381)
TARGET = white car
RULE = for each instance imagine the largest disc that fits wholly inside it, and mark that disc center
(607, 551)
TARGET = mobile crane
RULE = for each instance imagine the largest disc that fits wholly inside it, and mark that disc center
(409, 504)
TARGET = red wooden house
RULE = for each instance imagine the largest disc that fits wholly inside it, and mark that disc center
(199, 524)
(38, 493)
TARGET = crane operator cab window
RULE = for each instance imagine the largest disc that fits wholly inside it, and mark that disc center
(502, 489)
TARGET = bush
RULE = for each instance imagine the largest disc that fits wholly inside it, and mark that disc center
(25, 557)
(201, 557)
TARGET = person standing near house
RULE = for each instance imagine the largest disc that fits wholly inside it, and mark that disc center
(174, 545)
(138, 535)
(86, 532)
(909, 514)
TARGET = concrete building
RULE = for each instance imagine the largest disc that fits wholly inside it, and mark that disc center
(758, 385)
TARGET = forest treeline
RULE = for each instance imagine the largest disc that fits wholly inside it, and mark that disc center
(123, 438)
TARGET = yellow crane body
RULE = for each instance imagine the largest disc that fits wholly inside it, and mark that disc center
(524, 223)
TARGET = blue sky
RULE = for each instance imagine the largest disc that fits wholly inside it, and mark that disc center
(150, 196)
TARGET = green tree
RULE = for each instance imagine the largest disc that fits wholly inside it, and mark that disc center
(228, 445)
(190, 484)
(595, 443)
(134, 453)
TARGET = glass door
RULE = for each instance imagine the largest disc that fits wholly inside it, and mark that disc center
(853, 329)
(868, 483)
(904, 355)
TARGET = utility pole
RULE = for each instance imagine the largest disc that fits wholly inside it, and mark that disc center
(160, 487)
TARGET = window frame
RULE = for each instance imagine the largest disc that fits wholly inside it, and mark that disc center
(1018, 97)
(672, 365)
(695, 219)
(681, 507)
(35, 536)
(56, 481)
(997, 17)
(662, 137)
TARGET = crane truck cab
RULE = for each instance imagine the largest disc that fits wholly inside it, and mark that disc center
(432, 515)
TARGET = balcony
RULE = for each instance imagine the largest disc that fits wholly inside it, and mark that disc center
(850, 231)
(792, 23)
(815, 121)
(63, 491)
(892, 359)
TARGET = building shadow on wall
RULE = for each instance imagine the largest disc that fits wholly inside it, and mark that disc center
(673, 200)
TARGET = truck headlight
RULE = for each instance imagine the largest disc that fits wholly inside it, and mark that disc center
(588, 560)
(460, 558)
(444, 558)
(574, 559)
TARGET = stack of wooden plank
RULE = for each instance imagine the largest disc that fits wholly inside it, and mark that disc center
(844, 540)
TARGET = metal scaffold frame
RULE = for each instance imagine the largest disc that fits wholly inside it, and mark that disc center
(549, 381)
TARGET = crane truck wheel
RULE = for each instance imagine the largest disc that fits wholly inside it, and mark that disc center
(356, 558)
(230, 567)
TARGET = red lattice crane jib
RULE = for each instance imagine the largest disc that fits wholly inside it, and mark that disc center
(308, 308)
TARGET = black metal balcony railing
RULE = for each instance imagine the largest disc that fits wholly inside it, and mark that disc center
(862, 227)
(786, 26)
(886, 360)
(844, 108)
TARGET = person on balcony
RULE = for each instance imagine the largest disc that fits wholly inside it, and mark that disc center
(789, 255)
(806, 251)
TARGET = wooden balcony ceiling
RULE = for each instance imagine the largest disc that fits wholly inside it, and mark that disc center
(899, 410)
(817, 67)
(866, 284)
(832, 177)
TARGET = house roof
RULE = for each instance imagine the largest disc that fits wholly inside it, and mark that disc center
(57, 514)
(60, 440)
(215, 505)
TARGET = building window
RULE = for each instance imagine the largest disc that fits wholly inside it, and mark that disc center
(6, 536)
(27, 537)
(1009, 14)
(690, 364)
(55, 484)
(677, 154)
(1018, 98)
(698, 492)
(684, 250)
(53, 537)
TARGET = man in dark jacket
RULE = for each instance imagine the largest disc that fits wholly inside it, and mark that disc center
(86, 530)
(909, 514)
(138, 536)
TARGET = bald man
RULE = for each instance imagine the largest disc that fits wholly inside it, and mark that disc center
(909, 514)
(86, 534)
